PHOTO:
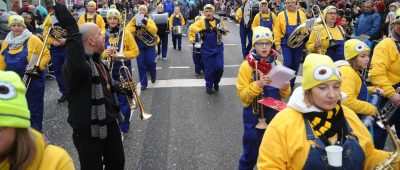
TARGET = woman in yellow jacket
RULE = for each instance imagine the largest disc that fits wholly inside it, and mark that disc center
(176, 19)
(319, 40)
(20, 146)
(297, 136)
(265, 18)
(19, 50)
(248, 89)
(113, 41)
(92, 16)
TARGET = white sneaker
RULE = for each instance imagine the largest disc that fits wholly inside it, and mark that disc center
(165, 59)
(184, 35)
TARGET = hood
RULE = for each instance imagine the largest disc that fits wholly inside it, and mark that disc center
(340, 63)
(296, 102)
(394, 4)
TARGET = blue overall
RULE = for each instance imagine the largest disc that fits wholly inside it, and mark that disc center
(58, 55)
(363, 95)
(380, 134)
(352, 155)
(146, 61)
(212, 56)
(198, 63)
(245, 32)
(122, 101)
(177, 22)
(336, 52)
(35, 93)
(291, 56)
(267, 22)
(252, 136)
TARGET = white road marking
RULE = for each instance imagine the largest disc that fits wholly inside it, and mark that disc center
(180, 67)
(226, 66)
(158, 68)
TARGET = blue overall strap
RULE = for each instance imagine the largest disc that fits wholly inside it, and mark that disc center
(287, 20)
(310, 133)
(208, 25)
(397, 44)
(341, 32)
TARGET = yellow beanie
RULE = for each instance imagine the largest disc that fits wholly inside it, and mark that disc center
(263, 2)
(353, 48)
(318, 69)
(14, 110)
(144, 7)
(92, 3)
(262, 33)
(397, 18)
(113, 6)
(114, 13)
(16, 19)
(325, 11)
(209, 6)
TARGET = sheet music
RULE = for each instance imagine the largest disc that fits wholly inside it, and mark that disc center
(139, 18)
(279, 75)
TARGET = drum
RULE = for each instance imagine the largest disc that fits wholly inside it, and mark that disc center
(177, 30)
(160, 18)
(197, 48)
(250, 10)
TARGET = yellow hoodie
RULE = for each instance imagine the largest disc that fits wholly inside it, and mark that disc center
(280, 24)
(47, 156)
(385, 66)
(285, 144)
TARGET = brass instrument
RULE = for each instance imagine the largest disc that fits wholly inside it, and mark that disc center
(221, 28)
(145, 36)
(296, 39)
(128, 83)
(257, 107)
(388, 110)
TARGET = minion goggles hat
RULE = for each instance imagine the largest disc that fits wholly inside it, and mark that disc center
(114, 13)
(353, 48)
(262, 33)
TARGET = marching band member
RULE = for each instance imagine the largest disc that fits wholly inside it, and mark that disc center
(212, 52)
(17, 51)
(245, 31)
(162, 32)
(297, 136)
(265, 18)
(92, 16)
(248, 89)
(176, 20)
(319, 40)
(356, 54)
(130, 51)
(146, 61)
(21, 146)
(384, 73)
(57, 52)
(286, 22)
(195, 39)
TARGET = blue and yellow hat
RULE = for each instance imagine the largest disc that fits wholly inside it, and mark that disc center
(13, 19)
(92, 3)
(114, 13)
(14, 110)
(262, 33)
(318, 69)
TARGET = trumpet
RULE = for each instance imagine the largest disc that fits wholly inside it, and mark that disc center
(388, 110)
(257, 107)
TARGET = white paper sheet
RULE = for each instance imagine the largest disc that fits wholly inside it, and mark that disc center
(279, 75)
(139, 18)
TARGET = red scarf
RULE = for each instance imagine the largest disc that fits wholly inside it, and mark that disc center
(263, 64)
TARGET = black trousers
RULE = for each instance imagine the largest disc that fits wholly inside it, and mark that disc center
(95, 153)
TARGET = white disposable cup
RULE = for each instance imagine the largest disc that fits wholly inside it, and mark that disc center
(334, 154)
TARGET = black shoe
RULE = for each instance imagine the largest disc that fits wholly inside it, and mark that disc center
(174, 48)
(216, 87)
(179, 49)
(209, 91)
(143, 88)
(153, 80)
(197, 74)
(63, 98)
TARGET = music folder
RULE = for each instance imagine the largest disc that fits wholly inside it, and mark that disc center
(273, 103)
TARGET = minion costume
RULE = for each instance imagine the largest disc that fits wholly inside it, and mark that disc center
(333, 48)
(297, 136)
(176, 20)
(97, 19)
(353, 84)
(247, 90)
(245, 32)
(131, 50)
(212, 53)
(195, 39)
(15, 114)
(264, 19)
(57, 53)
(146, 61)
(286, 23)
(16, 53)
(384, 73)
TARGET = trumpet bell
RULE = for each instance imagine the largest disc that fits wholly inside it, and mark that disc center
(144, 116)
(262, 124)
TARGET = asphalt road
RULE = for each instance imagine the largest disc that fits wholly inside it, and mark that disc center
(189, 129)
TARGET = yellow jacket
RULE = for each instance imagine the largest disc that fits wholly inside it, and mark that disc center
(285, 144)
(150, 27)
(247, 89)
(385, 66)
(171, 20)
(192, 38)
(351, 85)
(256, 21)
(34, 47)
(47, 156)
(238, 15)
(131, 50)
(280, 24)
(336, 35)
(200, 25)
(99, 21)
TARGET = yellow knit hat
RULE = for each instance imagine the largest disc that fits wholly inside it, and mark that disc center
(262, 33)
(92, 3)
(13, 19)
(353, 48)
(113, 6)
(209, 6)
(318, 69)
(326, 10)
(263, 2)
(144, 7)
(114, 13)
(14, 110)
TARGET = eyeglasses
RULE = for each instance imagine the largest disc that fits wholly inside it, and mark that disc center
(265, 44)
(332, 13)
